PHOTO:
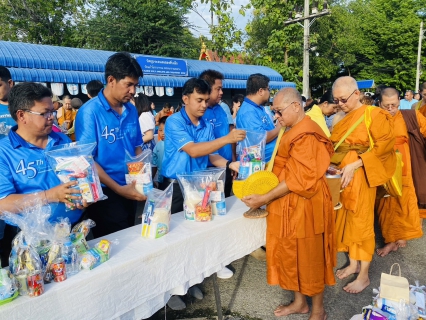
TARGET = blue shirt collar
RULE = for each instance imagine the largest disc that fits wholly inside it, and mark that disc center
(105, 102)
(251, 102)
(16, 140)
(188, 121)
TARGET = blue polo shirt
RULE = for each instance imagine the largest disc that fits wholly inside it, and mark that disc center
(180, 131)
(24, 169)
(217, 117)
(254, 117)
(114, 134)
(406, 105)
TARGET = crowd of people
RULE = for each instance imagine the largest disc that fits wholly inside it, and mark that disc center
(303, 139)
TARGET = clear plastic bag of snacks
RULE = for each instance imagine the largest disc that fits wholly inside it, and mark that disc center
(97, 255)
(139, 170)
(196, 190)
(217, 194)
(74, 162)
(251, 153)
(156, 213)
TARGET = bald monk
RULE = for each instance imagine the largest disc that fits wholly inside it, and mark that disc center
(399, 217)
(362, 171)
(300, 238)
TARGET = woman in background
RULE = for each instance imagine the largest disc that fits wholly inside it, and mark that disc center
(146, 121)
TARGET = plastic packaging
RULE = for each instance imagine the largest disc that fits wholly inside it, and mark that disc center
(217, 195)
(96, 256)
(8, 286)
(74, 162)
(418, 297)
(157, 212)
(139, 170)
(196, 189)
(84, 227)
(251, 153)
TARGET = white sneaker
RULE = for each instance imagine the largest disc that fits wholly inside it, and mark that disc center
(225, 273)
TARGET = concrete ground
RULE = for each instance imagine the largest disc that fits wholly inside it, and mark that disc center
(247, 296)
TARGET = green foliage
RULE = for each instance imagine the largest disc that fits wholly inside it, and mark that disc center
(367, 39)
(49, 22)
(139, 26)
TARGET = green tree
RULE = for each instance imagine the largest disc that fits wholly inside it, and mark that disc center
(53, 22)
(148, 27)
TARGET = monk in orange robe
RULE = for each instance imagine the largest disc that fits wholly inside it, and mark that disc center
(399, 217)
(300, 237)
(362, 171)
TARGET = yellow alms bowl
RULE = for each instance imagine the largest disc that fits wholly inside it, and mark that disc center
(260, 182)
(237, 188)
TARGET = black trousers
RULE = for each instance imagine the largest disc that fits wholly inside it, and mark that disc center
(228, 183)
(113, 214)
(6, 244)
(177, 200)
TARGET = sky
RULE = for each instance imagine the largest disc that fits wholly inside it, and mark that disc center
(201, 27)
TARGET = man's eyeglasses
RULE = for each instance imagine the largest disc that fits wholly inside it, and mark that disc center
(280, 112)
(46, 115)
(343, 101)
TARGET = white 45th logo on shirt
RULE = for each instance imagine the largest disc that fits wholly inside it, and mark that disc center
(108, 133)
(22, 168)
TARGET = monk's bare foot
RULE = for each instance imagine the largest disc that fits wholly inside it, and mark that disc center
(389, 247)
(318, 316)
(292, 308)
(357, 286)
(401, 243)
(346, 272)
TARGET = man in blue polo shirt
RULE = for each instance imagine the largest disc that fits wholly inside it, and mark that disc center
(252, 115)
(217, 117)
(25, 173)
(190, 141)
(111, 121)
(6, 123)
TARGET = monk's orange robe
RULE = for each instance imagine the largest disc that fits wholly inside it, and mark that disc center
(355, 220)
(300, 237)
(399, 217)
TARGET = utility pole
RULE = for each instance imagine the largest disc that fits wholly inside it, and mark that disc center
(308, 19)
(419, 55)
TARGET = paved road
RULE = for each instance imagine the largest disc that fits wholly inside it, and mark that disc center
(247, 295)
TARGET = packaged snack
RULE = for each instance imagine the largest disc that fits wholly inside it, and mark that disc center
(251, 153)
(84, 227)
(35, 283)
(59, 270)
(139, 170)
(96, 256)
(74, 162)
(79, 241)
(196, 189)
(217, 194)
(157, 212)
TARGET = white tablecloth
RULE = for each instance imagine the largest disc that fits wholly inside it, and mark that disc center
(142, 274)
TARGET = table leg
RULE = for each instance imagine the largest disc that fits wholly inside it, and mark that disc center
(217, 297)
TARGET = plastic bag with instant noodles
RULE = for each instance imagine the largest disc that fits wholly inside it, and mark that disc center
(74, 162)
(157, 212)
(217, 194)
(196, 189)
(251, 153)
(139, 170)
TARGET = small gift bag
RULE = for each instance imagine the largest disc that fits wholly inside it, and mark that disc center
(394, 288)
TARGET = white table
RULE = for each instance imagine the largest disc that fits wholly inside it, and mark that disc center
(143, 274)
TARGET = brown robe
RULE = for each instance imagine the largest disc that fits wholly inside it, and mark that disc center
(301, 244)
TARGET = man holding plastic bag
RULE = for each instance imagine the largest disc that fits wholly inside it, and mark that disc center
(190, 142)
(252, 114)
(111, 121)
(24, 170)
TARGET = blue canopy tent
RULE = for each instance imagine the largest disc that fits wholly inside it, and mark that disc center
(365, 84)
(42, 63)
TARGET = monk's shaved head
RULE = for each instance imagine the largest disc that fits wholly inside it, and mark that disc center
(388, 92)
(289, 95)
(346, 94)
(347, 82)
